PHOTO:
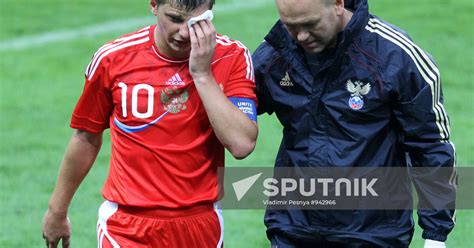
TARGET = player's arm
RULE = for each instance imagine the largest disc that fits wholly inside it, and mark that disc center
(78, 159)
(232, 127)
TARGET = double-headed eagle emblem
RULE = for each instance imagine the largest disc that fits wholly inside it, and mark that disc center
(357, 90)
(174, 99)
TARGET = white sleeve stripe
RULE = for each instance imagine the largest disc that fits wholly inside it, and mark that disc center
(128, 44)
(110, 45)
(113, 44)
(252, 76)
(224, 40)
(247, 60)
(417, 51)
(453, 178)
(88, 68)
(413, 49)
(247, 57)
(246, 53)
(433, 80)
(131, 37)
(143, 29)
(116, 42)
(428, 80)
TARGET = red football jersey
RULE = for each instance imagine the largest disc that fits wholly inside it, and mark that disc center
(164, 151)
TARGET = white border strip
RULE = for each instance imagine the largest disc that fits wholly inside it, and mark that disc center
(106, 210)
(31, 41)
(218, 211)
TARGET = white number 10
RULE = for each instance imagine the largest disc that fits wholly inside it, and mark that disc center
(135, 90)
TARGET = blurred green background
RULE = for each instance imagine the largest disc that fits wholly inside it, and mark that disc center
(45, 46)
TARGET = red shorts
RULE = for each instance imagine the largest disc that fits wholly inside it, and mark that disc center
(121, 226)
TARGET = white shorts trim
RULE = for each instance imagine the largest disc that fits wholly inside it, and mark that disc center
(106, 210)
(218, 211)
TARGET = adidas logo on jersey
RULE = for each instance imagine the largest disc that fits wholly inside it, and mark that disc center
(286, 81)
(175, 80)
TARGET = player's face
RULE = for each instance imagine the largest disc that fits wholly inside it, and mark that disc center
(314, 24)
(172, 34)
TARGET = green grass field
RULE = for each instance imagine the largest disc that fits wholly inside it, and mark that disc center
(40, 84)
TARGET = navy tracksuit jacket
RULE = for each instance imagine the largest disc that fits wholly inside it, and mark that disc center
(370, 102)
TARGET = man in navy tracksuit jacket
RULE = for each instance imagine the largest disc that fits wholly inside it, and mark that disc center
(353, 90)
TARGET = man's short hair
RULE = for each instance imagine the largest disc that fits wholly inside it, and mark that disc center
(186, 4)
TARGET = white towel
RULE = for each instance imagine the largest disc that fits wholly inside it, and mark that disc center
(207, 15)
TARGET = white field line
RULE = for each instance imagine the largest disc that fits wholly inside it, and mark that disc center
(113, 26)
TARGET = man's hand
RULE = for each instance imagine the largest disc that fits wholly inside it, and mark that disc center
(434, 244)
(203, 43)
(55, 228)
(78, 159)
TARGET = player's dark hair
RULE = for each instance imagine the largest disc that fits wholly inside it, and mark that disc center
(186, 4)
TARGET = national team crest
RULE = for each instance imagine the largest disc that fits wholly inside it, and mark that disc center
(358, 90)
(174, 100)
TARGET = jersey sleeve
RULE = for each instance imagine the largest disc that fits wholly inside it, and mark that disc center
(241, 82)
(95, 105)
